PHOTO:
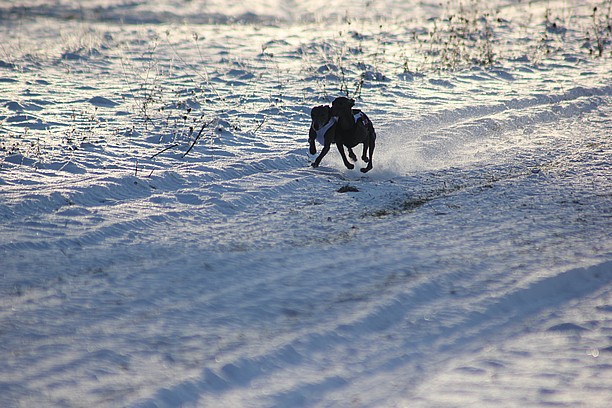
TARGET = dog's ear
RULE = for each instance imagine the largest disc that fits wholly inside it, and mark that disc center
(352, 102)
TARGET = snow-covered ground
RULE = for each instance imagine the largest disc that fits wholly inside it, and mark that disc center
(164, 241)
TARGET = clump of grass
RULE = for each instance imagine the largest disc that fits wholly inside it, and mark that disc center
(83, 42)
(350, 61)
(463, 36)
(84, 127)
(157, 107)
(599, 35)
(147, 95)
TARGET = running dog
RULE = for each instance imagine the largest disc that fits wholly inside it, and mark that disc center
(344, 126)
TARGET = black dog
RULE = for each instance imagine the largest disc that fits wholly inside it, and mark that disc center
(344, 126)
(353, 127)
(323, 130)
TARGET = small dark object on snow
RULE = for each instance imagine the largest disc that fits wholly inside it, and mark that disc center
(348, 189)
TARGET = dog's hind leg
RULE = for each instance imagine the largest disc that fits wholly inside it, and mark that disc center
(364, 155)
(352, 154)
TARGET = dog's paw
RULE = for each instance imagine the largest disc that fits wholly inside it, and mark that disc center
(349, 166)
(314, 164)
(353, 157)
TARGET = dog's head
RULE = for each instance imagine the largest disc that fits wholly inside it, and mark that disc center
(320, 116)
(342, 104)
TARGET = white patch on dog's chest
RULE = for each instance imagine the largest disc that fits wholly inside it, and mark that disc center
(321, 132)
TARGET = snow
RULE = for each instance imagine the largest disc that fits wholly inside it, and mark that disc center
(165, 242)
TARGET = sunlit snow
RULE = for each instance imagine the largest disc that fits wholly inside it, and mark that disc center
(164, 241)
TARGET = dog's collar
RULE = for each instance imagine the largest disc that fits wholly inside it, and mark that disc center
(321, 132)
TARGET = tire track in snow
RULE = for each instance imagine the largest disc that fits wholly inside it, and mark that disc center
(493, 317)
(450, 117)
(411, 359)
(452, 136)
(111, 203)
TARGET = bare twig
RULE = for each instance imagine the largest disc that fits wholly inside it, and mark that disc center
(163, 150)
(204, 126)
(260, 125)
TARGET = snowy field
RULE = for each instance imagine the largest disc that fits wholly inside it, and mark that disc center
(164, 241)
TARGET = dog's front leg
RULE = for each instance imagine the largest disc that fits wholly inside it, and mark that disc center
(348, 165)
(323, 153)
